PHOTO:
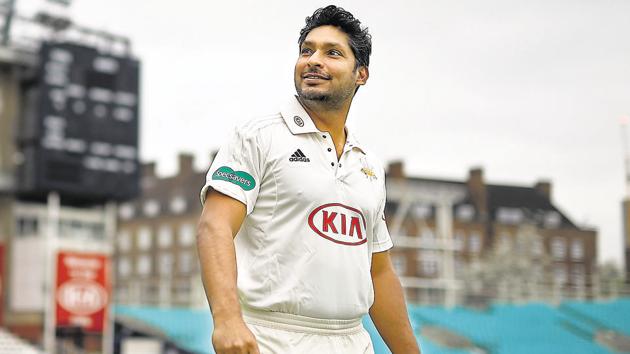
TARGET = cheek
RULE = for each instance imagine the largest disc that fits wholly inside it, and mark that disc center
(299, 66)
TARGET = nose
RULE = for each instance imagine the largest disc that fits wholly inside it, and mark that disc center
(315, 59)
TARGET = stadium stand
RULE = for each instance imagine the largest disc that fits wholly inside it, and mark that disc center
(572, 328)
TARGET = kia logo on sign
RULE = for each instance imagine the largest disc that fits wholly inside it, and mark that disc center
(82, 297)
(339, 223)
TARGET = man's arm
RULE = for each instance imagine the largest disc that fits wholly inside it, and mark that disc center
(389, 312)
(220, 220)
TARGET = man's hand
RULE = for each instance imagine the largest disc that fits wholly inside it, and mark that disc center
(233, 337)
(219, 223)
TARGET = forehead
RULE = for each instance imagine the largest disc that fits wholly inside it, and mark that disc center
(327, 35)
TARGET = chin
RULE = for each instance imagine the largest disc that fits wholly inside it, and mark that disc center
(313, 95)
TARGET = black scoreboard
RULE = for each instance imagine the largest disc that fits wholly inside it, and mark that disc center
(78, 134)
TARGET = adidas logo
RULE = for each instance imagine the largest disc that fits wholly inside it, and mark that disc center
(298, 156)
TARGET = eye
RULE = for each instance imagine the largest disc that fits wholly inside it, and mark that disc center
(305, 51)
(335, 52)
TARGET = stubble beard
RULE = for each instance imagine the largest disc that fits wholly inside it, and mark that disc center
(326, 101)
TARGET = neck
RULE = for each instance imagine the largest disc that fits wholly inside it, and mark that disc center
(331, 119)
(327, 118)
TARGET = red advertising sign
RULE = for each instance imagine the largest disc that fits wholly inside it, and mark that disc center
(82, 291)
(1, 284)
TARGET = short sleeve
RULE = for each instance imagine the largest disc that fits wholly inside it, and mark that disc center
(236, 170)
(382, 240)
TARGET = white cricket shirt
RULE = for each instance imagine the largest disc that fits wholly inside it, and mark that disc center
(312, 222)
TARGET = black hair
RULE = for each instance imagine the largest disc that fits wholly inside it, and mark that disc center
(359, 39)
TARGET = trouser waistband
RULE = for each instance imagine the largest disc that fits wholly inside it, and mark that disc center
(297, 323)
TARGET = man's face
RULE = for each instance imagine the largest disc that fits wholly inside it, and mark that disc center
(325, 69)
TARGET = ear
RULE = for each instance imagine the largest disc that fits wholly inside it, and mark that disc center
(363, 73)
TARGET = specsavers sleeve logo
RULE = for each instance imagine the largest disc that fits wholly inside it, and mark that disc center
(240, 178)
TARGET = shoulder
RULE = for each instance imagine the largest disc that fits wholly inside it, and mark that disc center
(373, 161)
(255, 127)
(376, 163)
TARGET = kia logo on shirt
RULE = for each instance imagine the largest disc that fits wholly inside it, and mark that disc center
(339, 223)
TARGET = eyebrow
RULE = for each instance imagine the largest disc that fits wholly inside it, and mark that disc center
(325, 44)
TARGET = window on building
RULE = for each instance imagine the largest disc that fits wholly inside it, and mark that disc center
(186, 234)
(558, 248)
(126, 211)
(124, 267)
(459, 240)
(560, 274)
(465, 212)
(474, 242)
(185, 262)
(409, 228)
(538, 247)
(27, 226)
(121, 294)
(182, 290)
(165, 236)
(79, 229)
(178, 205)
(578, 276)
(522, 244)
(65, 228)
(166, 263)
(537, 272)
(509, 216)
(144, 238)
(459, 266)
(505, 241)
(552, 219)
(151, 208)
(400, 264)
(143, 265)
(96, 230)
(165, 291)
(149, 292)
(427, 233)
(124, 241)
(428, 263)
(421, 211)
(577, 249)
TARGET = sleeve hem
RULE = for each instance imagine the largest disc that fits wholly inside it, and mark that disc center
(382, 246)
(223, 190)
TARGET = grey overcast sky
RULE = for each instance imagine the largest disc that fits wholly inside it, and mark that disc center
(527, 90)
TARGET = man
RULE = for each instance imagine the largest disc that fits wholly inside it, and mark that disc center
(293, 205)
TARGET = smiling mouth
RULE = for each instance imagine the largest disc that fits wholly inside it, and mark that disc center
(314, 76)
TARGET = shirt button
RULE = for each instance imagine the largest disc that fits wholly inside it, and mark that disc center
(329, 149)
(332, 164)
(324, 136)
(339, 165)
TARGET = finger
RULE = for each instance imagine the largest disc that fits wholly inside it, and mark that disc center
(255, 349)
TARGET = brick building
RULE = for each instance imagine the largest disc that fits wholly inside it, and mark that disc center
(156, 255)
(626, 236)
(443, 230)
(447, 234)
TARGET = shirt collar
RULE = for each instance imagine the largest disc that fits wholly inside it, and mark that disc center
(352, 142)
(296, 118)
(299, 122)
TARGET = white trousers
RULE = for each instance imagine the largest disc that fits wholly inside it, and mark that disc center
(279, 333)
